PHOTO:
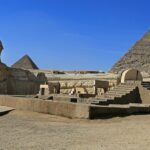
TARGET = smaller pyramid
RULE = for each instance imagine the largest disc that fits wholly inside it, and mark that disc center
(25, 63)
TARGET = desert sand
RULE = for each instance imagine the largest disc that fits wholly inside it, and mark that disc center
(20, 130)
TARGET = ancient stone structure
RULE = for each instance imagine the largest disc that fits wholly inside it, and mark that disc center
(131, 75)
(131, 89)
(41, 77)
(25, 63)
(75, 87)
(83, 86)
(124, 93)
(61, 93)
(138, 57)
(50, 88)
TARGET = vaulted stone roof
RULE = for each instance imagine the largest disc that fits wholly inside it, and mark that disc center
(25, 63)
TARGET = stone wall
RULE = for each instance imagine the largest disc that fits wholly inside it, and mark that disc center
(18, 87)
(144, 94)
(83, 86)
(70, 110)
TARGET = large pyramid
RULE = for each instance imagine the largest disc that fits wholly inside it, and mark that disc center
(138, 57)
(25, 63)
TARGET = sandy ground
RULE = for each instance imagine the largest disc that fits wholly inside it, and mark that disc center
(21, 130)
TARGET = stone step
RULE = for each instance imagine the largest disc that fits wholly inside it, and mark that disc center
(130, 86)
(114, 96)
(123, 88)
(145, 82)
(148, 88)
(127, 84)
(145, 85)
(117, 92)
(100, 102)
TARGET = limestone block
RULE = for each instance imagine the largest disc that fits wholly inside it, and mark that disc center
(81, 90)
(100, 91)
(63, 84)
(71, 84)
(88, 83)
(65, 91)
(78, 83)
(90, 90)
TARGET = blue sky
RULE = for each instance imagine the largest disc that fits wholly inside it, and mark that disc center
(71, 34)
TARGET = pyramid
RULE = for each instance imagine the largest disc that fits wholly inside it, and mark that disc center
(137, 57)
(25, 63)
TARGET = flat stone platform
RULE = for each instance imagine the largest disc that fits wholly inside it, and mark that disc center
(4, 110)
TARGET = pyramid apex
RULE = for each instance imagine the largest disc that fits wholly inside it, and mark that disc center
(138, 56)
(25, 63)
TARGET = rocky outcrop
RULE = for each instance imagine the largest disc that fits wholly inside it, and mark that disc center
(17, 81)
(22, 82)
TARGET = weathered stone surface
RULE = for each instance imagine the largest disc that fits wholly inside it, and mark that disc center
(17, 81)
(41, 77)
(66, 109)
(138, 57)
(5, 109)
(65, 91)
(77, 83)
(90, 90)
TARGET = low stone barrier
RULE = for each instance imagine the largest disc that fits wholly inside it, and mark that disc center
(70, 110)
(114, 110)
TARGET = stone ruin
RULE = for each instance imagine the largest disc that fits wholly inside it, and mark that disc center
(57, 92)
(80, 88)
(130, 88)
